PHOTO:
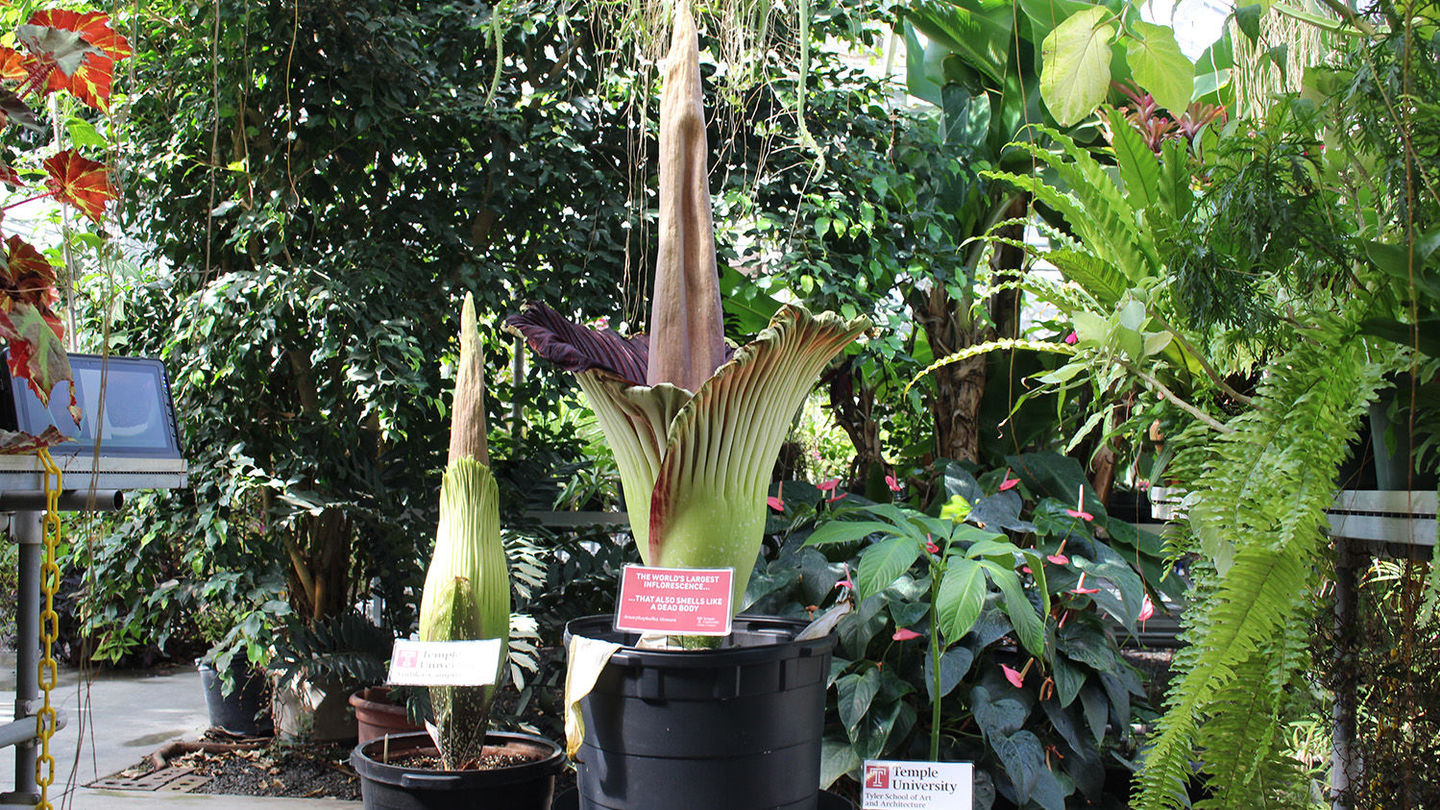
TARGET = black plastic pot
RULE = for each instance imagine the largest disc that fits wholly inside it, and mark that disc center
(527, 786)
(246, 710)
(570, 800)
(733, 728)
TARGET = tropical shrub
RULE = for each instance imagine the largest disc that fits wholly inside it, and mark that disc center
(1015, 588)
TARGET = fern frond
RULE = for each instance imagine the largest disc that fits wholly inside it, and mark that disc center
(1263, 494)
(985, 348)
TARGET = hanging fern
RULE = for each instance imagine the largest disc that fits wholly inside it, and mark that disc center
(1257, 515)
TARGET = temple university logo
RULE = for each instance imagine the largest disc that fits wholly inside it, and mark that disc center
(407, 659)
(877, 777)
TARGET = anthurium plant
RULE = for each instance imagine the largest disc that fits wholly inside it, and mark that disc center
(467, 585)
(58, 50)
(695, 427)
(985, 628)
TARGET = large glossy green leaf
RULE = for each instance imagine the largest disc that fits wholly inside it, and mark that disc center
(1024, 759)
(961, 598)
(883, 563)
(978, 31)
(1075, 77)
(1023, 617)
(844, 531)
(855, 692)
(1159, 67)
(953, 666)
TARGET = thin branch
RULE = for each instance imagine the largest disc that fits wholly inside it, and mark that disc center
(1165, 392)
(1200, 358)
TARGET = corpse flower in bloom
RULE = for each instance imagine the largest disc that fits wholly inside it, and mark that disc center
(695, 428)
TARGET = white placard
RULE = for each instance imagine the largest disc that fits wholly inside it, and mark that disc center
(918, 785)
(444, 663)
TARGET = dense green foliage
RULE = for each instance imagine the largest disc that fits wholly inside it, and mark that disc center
(1016, 592)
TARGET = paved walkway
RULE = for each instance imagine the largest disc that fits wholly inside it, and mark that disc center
(116, 721)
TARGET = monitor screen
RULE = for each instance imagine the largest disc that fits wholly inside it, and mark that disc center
(135, 418)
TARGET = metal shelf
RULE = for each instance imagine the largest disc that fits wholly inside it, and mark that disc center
(82, 473)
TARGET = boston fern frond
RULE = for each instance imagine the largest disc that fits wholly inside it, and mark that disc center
(1258, 516)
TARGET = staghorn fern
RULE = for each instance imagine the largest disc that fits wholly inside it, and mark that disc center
(1257, 514)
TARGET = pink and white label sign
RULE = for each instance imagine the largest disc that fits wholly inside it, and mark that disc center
(680, 601)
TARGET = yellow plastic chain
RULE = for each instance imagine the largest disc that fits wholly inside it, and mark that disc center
(49, 628)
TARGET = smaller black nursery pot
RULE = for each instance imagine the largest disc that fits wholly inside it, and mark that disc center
(529, 785)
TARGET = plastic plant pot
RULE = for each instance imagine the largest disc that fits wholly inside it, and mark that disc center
(732, 728)
(529, 785)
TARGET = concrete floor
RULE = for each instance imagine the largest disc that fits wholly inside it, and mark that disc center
(115, 721)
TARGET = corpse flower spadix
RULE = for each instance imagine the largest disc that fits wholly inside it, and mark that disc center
(695, 429)
(467, 584)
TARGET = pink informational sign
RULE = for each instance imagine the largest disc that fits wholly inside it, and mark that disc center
(677, 601)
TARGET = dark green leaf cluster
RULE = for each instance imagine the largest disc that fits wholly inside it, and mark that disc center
(1268, 228)
(996, 593)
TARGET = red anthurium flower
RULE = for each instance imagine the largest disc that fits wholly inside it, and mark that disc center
(1016, 677)
(839, 497)
(846, 584)
(905, 634)
(1025, 569)
(930, 546)
(1080, 586)
(828, 486)
(1072, 338)
(1147, 609)
(1058, 559)
(775, 503)
(892, 483)
(1007, 482)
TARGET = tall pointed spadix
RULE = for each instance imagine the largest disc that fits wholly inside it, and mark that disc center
(687, 328)
(467, 586)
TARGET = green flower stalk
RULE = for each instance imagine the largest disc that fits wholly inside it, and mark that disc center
(696, 429)
(467, 586)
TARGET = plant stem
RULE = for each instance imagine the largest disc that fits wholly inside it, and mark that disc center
(935, 573)
(1165, 392)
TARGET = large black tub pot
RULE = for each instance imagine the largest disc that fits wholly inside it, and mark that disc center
(732, 728)
(245, 710)
(527, 786)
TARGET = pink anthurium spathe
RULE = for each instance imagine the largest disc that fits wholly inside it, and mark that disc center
(892, 483)
(905, 634)
(1147, 609)
(695, 428)
(775, 503)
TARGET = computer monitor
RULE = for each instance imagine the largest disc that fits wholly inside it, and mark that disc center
(135, 419)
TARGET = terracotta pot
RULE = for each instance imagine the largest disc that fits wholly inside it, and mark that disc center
(376, 716)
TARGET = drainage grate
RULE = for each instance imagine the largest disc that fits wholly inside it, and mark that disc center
(183, 780)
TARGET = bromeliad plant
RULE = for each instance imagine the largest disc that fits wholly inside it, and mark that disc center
(695, 428)
(467, 586)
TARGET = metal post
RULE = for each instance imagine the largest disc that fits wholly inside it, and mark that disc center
(1345, 766)
(25, 530)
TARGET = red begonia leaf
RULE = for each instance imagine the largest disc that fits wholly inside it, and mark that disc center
(92, 26)
(26, 276)
(16, 443)
(12, 64)
(78, 51)
(10, 177)
(80, 182)
(37, 352)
